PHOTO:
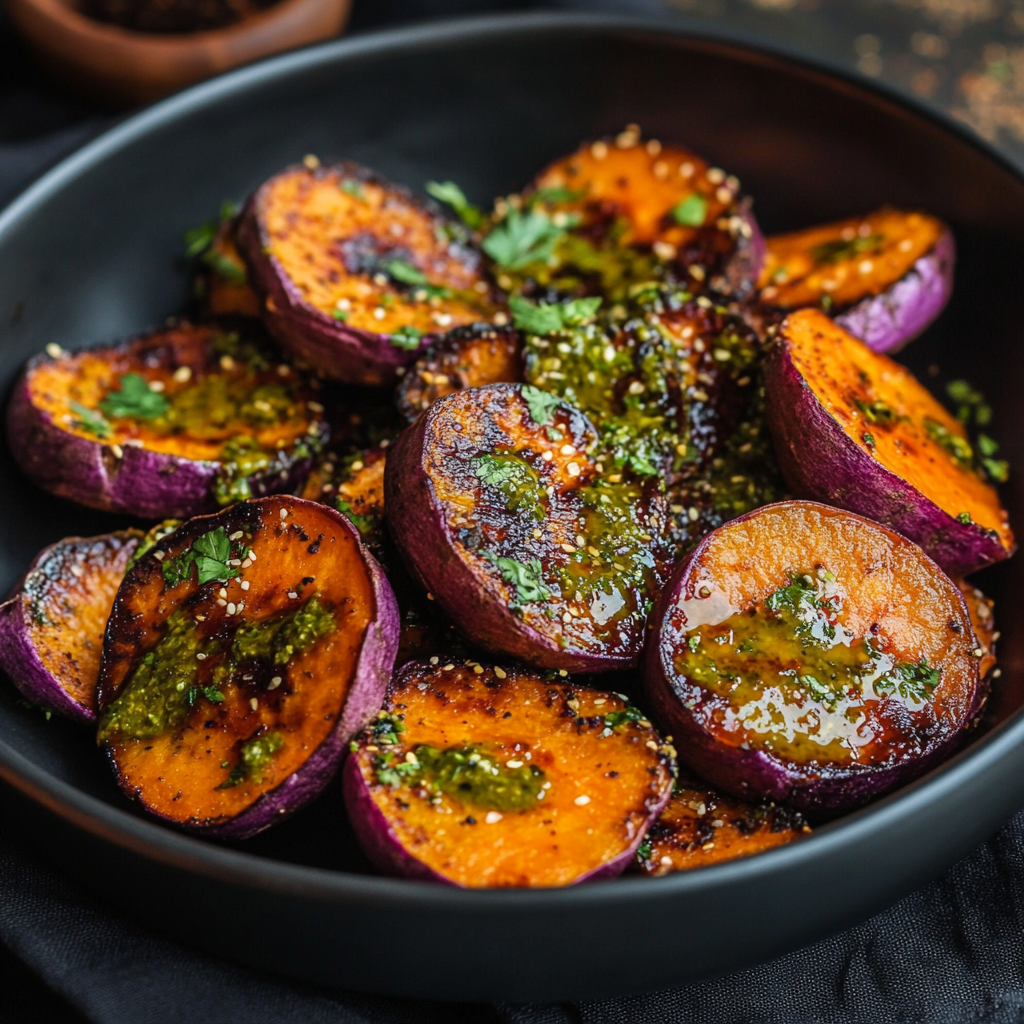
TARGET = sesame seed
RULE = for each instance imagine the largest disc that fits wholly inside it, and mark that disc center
(866, 267)
(547, 456)
(500, 672)
(636, 387)
(492, 817)
(222, 592)
(599, 150)
(666, 861)
(478, 669)
(448, 667)
(723, 355)
(283, 370)
(244, 584)
(182, 374)
(221, 602)
(357, 465)
(582, 801)
(293, 595)
(434, 660)
(651, 745)
(537, 534)
(573, 469)
(284, 513)
(54, 351)
(708, 846)
(311, 161)
(567, 449)
(117, 451)
(159, 555)
(500, 319)
(715, 175)
(513, 764)
(580, 540)
(237, 535)
(562, 672)
(686, 170)
(665, 251)
(254, 703)
(246, 563)
(568, 549)
(653, 147)
(227, 363)
(157, 386)
(274, 683)
(78, 571)
(251, 556)
(411, 758)
(200, 656)
(906, 245)
(978, 652)
(231, 608)
(698, 273)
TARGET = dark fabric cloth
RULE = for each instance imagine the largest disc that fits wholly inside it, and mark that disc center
(952, 953)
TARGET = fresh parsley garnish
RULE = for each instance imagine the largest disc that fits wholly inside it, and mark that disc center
(449, 193)
(407, 338)
(522, 238)
(965, 518)
(404, 272)
(210, 554)
(525, 578)
(364, 524)
(971, 406)
(339, 314)
(551, 196)
(540, 403)
(199, 239)
(628, 714)
(912, 682)
(224, 267)
(542, 318)
(91, 421)
(134, 400)
(691, 211)
(353, 188)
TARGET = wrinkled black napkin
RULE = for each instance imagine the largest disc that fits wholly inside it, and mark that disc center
(952, 953)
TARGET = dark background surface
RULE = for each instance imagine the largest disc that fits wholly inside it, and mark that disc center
(965, 56)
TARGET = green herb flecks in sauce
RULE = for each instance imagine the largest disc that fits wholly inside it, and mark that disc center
(134, 399)
(171, 678)
(796, 681)
(210, 554)
(254, 759)
(474, 775)
(515, 480)
(840, 249)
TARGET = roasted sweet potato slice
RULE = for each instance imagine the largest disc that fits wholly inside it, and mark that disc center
(242, 654)
(701, 827)
(170, 424)
(665, 387)
(884, 277)
(481, 776)
(354, 485)
(51, 628)
(356, 274)
(467, 357)
(225, 286)
(499, 507)
(623, 211)
(854, 429)
(979, 607)
(807, 655)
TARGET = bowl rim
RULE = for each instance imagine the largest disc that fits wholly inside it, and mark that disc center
(191, 854)
(115, 37)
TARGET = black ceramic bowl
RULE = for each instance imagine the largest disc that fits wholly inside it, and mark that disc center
(89, 254)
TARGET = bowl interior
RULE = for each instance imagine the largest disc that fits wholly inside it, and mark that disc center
(94, 254)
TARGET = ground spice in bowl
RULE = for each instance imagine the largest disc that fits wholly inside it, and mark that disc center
(172, 16)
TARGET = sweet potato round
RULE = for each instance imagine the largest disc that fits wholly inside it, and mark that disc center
(854, 429)
(700, 827)
(537, 566)
(356, 274)
(51, 627)
(467, 357)
(884, 277)
(659, 197)
(605, 777)
(246, 736)
(238, 424)
(767, 721)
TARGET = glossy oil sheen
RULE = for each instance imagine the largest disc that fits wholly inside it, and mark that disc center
(89, 255)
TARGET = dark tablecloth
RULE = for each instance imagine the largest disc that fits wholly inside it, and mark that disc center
(951, 953)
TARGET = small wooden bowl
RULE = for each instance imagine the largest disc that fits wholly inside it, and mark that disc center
(127, 67)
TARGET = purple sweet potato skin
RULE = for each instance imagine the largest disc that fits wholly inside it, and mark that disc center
(820, 461)
(422, 537)
(888, 321)
(387, 854)
(744, 266)
(755, 773)
(135, 481)
(19, 655)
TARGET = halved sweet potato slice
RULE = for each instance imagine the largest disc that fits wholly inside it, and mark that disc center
(807, 655)
(354, 485)
(174, 423)
(226, 290)
(481, 776)
(51, 627)
(587, 212)
(979, 607)
(356, 274)
(854, 429)
(884, 277)
(701, 827)
(467, 357)
(242, 654)
(502, 511)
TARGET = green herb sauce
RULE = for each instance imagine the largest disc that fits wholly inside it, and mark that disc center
(473, 774)
(796, 680)
(254, 759)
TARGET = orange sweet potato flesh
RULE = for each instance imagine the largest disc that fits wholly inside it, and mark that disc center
(68, 596)
(177, 361)
(846, 260)
(178, 773)
(334, 230)
(887, 413)
(638, 185)
(227, 292)
(605, 782)
(360, 482)
(701, 827)
(467, 358)
(979, 607)
(890, 590)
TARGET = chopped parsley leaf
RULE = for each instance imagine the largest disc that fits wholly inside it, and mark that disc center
(522, 238)
(840, 249)
(353, 188)
(540, 403)
(90, 420)
(405, 273)
(407, 338)
(449, 193)
(691, 211)
(209, 553)
(525, 578)
(542, 318)
(134, 400)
